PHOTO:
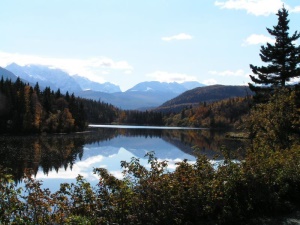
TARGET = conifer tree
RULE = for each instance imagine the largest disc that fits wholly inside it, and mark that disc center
(283, 59)
(37, 89)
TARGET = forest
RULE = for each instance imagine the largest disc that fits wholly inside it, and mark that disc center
(264, 184)
(224, 114)
(27, 109)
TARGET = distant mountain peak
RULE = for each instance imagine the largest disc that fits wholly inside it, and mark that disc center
(87, 84)
(157, 86)
(51, 76)
(45, 76)
(145, 95)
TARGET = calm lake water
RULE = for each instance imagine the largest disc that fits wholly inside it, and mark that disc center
(60, 158)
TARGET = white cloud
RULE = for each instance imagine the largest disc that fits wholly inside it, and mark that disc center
(255, 7)
(181, 36)
(256, 39)
(209, 82)
(163, 76)
(128, 72)
(296, 9)
(229, 73)
(91, 67)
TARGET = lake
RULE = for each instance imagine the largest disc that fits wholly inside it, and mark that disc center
(60, 158)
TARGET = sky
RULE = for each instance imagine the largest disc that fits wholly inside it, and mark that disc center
(126, 42)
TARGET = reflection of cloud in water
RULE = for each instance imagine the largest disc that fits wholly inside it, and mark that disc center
(138, 146)
(172, 163)
(89, 162)
(86, 166)
(111, 162)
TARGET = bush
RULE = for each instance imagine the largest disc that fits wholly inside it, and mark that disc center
(196, 193)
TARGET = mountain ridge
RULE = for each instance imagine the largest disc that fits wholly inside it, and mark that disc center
(45, 76)
(87, 84)
(203, 94)
(143, 96)
(6, 74)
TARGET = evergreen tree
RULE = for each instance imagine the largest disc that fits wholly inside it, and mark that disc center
(37, 89)
(283, 59)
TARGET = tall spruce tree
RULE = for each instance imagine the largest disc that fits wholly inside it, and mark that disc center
(283, 59)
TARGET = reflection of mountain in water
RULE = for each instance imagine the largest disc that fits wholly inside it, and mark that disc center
(138, 146)
(150, 139)
(61, 151)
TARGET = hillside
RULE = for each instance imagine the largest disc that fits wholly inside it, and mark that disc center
(227, 113)
(7, 74)
(205, 94)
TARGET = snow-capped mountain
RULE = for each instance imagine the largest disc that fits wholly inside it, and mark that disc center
(155, 86)
(144, 95)
(87, 84)
(57, 78)
(46, 77)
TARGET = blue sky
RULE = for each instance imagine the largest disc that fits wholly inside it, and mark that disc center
(129, 41)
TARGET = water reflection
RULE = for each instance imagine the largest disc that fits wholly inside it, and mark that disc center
(63, 157)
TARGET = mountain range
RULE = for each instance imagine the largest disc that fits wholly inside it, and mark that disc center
(45, 76)
(144, 95)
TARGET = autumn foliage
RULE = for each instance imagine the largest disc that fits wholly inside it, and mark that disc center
(228, 113)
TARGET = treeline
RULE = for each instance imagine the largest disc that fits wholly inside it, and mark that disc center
(228, 113)
(27, 109)
(141, 118)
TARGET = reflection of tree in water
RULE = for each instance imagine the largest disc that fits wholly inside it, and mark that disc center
(59, 152)
(206, 142)
(49, 153)
(148, 133)
(56, 151)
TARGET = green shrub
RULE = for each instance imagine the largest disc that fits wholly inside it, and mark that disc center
(264, 183)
